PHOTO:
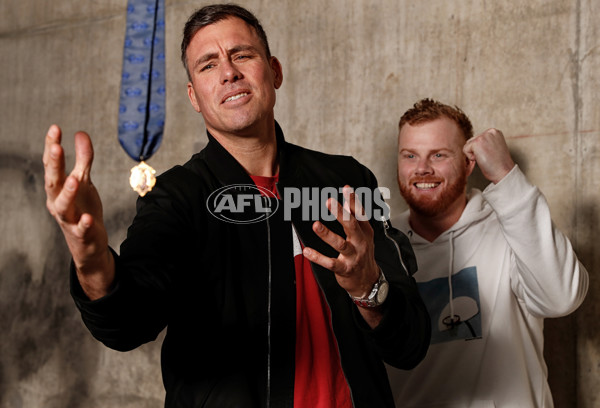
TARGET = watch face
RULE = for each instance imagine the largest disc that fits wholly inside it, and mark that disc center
(382, 292)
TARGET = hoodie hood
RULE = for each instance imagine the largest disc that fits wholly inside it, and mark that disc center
(477, 210)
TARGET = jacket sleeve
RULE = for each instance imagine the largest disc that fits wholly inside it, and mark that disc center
(155, 249)
(545, 271)
(402, 337)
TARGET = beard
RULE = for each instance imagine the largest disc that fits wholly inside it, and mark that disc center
(428, 206)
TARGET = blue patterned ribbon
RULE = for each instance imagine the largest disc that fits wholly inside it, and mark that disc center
(142, 99)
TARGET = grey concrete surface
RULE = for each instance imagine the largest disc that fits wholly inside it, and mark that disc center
(350, 69)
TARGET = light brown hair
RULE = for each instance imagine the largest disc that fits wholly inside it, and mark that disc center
(427, 110)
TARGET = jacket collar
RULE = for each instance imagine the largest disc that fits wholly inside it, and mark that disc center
(226, 168)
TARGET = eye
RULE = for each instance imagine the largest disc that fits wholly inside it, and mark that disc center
(206, 67)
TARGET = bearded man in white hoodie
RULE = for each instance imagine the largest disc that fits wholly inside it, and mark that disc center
(492, 266)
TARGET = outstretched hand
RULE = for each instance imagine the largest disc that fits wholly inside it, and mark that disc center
(75, 204)
(355, 268)
(490, 151)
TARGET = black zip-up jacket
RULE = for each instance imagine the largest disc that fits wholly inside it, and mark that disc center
(226, 291)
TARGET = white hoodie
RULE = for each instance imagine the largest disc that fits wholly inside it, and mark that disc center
(510, 268)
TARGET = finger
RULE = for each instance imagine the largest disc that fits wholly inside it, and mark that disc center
(357, 230)
(494, 131)
(320, 259)
(353, 205)
(468, 150)
(342, 214)
(84, 155)
(54, 163)
(53, 136)
(64, 203)
(348, 195)
(332, 239)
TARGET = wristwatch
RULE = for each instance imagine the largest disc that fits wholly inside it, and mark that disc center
(377, 296)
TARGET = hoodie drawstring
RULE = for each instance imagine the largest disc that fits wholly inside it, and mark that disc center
(452, 316)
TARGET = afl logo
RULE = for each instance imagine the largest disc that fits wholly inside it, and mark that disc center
(242, 203)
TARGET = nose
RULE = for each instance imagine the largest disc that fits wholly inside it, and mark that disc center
(229, 72)
(423, 166)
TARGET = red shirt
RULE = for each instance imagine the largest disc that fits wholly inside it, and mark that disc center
(319, 379)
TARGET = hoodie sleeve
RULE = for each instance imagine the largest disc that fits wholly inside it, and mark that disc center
(546, 273)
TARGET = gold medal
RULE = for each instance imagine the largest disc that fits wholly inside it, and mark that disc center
(142, 178)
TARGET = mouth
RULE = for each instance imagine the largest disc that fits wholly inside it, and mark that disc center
(235, 97)
(426, 186)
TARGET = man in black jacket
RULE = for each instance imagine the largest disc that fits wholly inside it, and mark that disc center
(281, 305)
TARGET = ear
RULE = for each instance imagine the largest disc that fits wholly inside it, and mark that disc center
(192, 96)
(277, 72)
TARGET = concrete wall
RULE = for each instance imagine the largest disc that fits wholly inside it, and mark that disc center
(350, 70)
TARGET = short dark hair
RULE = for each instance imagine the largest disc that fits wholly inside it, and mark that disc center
(427, 110)
(212, 14)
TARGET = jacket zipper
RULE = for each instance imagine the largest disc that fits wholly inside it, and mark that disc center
(269, 315)
(386, 227)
